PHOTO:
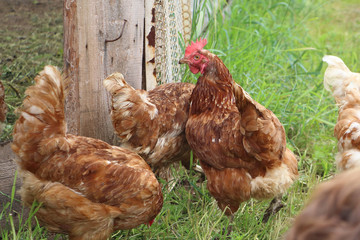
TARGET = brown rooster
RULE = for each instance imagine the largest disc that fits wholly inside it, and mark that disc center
(333, 212)
(345, 86)
(86, 187)
(241, 145)
(151, 123)
(3, 108)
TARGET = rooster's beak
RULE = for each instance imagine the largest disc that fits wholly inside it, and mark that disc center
(183, 60)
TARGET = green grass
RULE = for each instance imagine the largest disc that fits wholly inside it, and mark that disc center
(29, 40)
(274, 50)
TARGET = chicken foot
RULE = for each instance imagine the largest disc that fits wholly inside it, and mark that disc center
(275, 205)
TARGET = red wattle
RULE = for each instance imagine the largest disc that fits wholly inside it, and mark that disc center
(150, 223)
(194, 70)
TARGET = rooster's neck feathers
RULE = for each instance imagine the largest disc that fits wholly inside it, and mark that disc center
(214, 88)
(217, 70)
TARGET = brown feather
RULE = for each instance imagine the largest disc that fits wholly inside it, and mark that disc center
(241, 144)
(86, 187)
(333, 211)
(151, 123)
(345, 86)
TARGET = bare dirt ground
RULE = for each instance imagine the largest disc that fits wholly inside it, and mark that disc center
(16, 14)
(21, 23)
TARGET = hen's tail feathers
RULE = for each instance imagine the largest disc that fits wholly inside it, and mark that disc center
(115, 82)
(131, 109)
(339, 79)
(41, 126)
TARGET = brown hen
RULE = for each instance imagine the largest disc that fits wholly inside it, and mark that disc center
(86, 187)
(151, 123)
(241, 145)
(345, 86)
(333, 212)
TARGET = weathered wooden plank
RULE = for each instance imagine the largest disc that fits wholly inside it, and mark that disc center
(126, 54)
(90, 55)
(8, 169)
(93, 102)
(71, 65)
(150, 71)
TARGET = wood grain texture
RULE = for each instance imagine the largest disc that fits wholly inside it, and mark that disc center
(126, 54)
(150, 45)
(89, 58)
(71, 65)
(8, 169)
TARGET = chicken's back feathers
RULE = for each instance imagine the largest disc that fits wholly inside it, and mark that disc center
(3, 107)
(241, 144)
(345, 86)
(264, 136)
(133, 115)
(87, 187)
(151, 123)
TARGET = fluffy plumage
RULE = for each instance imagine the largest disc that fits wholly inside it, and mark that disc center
(345, 86)
(151, 123)
(241, 144)
(333, 212)
(87, 188)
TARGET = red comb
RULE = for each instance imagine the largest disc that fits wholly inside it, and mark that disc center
(195, 46)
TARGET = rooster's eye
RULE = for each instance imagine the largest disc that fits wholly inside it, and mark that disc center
(196, 57)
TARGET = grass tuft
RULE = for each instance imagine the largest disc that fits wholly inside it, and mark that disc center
(273, 49)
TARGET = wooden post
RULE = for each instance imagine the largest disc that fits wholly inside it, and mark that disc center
(149, 46)
(92, 50)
